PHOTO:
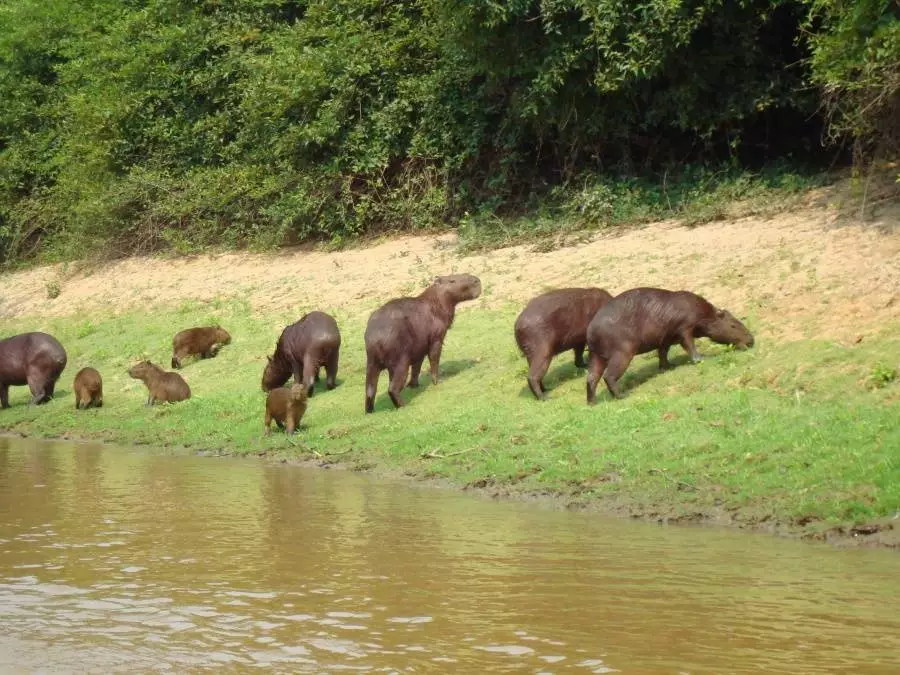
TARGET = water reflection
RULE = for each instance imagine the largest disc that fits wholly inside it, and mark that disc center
(113, 560)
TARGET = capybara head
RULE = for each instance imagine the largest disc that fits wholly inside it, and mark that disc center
(459, 286)
(274, 375)
(727, 330)
(141, 370)
(222, 335)
(298, 392)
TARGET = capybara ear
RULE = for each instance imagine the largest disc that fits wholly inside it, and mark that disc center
(720, 313)
(268, 358)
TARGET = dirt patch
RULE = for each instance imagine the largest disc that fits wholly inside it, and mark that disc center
(805, 274)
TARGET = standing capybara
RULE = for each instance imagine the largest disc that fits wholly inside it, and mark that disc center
(553, 323)
(162, 387)
(286, 407)
(644, 319)
(404, 331)
(88, 389)
(35, 359)
(303, 348)
(206, 342)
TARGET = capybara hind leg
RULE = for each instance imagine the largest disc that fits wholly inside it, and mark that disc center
(372, 373)
(398, 381)
(414, 374)
(4, 395)
(331, 369)
(537, 368)
(616, 367)
(434, 360)
(579, 356)
(309, 375)
(663, 354)
(687, 341)
(596, 366)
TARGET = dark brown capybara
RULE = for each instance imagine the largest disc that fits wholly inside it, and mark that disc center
(286, 407)
(404, 331)
(555, 322)
(303, 348)
(205, 342)
(35, 359)
(88, 388)
(644, 319)
(162, 386)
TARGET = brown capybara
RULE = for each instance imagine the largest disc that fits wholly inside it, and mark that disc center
(205, 342)
(286, 407)
(553, 323)
(303, 348)
(162, 387)
(404, 331)
(88, 389)
(35, 359)
(644, 319)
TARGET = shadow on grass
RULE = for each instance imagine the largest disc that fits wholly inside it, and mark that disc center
(448, 370)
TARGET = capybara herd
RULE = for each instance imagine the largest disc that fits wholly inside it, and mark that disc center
(398, 337)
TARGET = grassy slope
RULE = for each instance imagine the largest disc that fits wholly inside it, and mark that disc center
(788, 433)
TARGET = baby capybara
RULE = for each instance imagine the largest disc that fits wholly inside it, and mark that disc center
(401, 333)
(553, 323)
(162, 387)
(303, 348)
(205, 342)
(644, 319)
(88, 389)
(35, 359)
(286, 407)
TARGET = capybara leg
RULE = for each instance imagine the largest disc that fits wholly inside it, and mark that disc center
(663, 354)
(616, 367)
(318, 374)
(99, 403)
(149, 399)
(372, 373)
(414, 374)
(687, 341)
(48, 390)
(268, 423)
(434, 360)
(537, 368)
(398, 381)
(289, 423)
(309, 375)
(596, 366)
(4, 395)
(331, 368)
(579, 356)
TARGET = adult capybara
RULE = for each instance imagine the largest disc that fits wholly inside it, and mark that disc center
(303, 348)
(162, 386)
(404, 331)
(286, 407)
(644, 319)
(35, 359)
(205, 342)
(553, 323)
(88, 389)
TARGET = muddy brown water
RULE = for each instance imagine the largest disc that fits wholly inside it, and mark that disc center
(120, 560)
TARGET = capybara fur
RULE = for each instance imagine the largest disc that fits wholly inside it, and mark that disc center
(35, 359)
(204, 342)
(286, 407)
(644, 319)
(553, 323)
(162, 386)
(88, 389)
(401, 333)
(302, 349)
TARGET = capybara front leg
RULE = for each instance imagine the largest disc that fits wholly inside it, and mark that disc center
(398, 381)
(537, 368)
(596, 366)
(414, 373)
(331, 369)
(290, 423)
(663, 354)
(579, 356)
(268, 423)
(309, 375)
(372, 373)
(616, 367)
(434, 360)
(4, 395)
(687, 341)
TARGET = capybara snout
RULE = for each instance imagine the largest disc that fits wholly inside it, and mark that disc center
(727, 330)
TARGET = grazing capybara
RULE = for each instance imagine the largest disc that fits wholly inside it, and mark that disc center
(35, 359)
(162, 387)
(644, 319)
(205, 342)
(404, 331)
(303, 348)
(286, 407)
(88, 389)
(553, 323)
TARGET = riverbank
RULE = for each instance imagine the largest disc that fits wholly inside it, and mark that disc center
(798, 436)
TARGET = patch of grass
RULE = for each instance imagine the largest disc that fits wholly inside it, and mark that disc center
(793, 431)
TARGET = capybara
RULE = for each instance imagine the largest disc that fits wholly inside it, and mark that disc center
(88, 389)
(35, 359)
(162, 387)
(286, 407)
(644, 319)
(404, 331)
(206, 342)
(553, 323)
(303, 348)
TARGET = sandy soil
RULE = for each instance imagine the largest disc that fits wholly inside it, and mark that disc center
(804, 274)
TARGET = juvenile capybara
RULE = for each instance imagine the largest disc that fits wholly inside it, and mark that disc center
(205, 342)
(162, 386)
(286, 407)
(553, 323)
(303, 348)
(404, 331)
(35, 359)
(88, 388)
(644, 319)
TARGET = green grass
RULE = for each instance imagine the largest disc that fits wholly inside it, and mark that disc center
(792, 432)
